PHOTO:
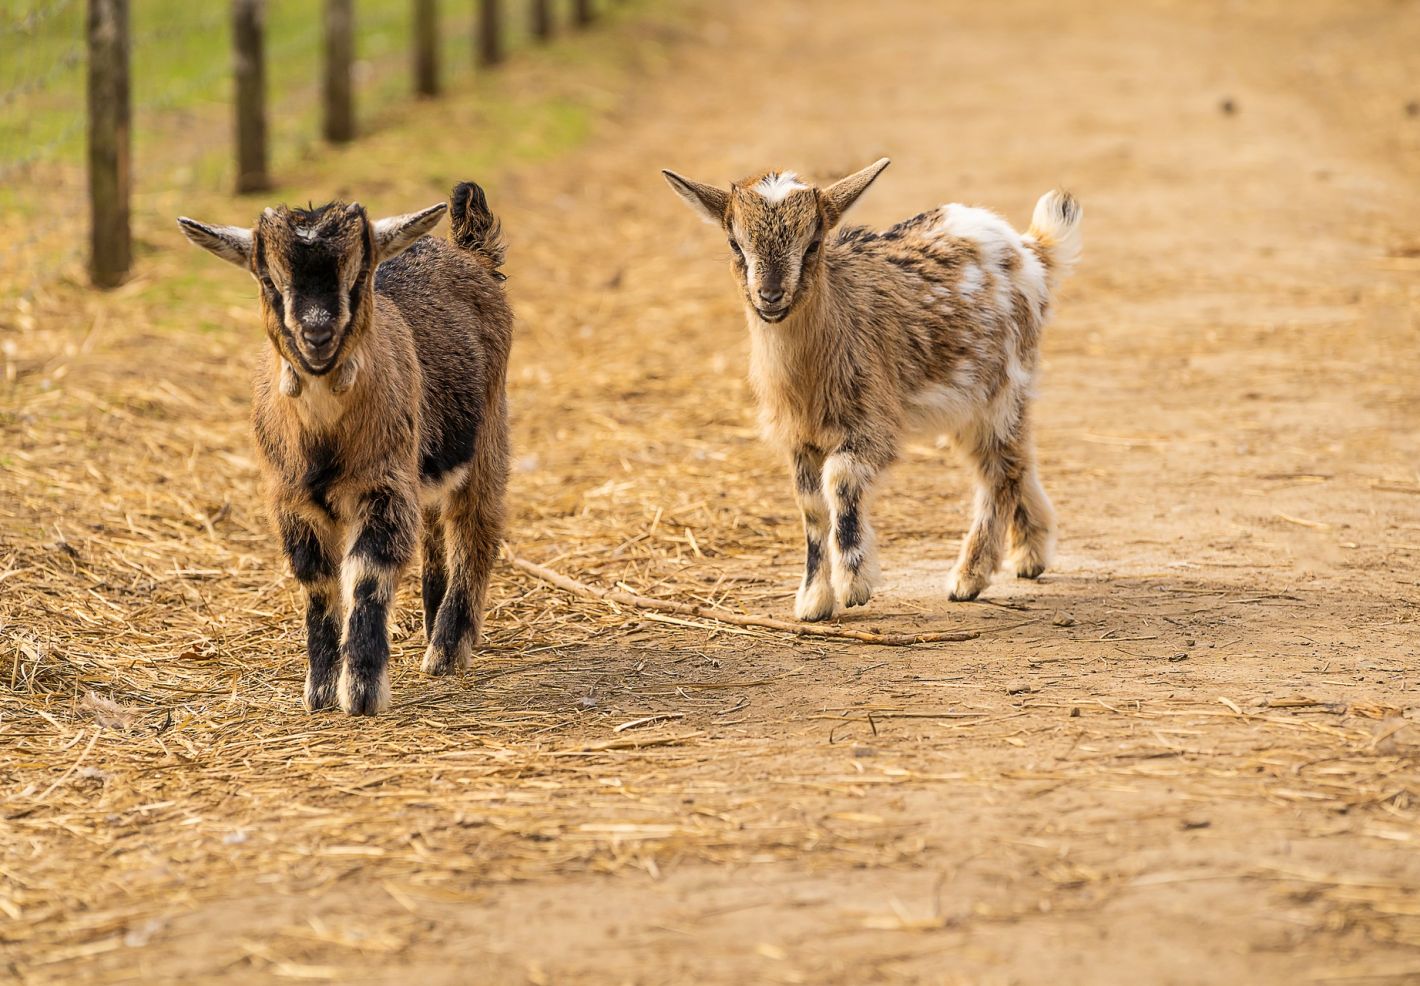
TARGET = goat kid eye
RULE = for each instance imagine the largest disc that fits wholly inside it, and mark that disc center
(736, 248)
(813, 248)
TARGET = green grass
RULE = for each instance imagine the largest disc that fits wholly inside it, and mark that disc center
(181, 78)
(181, 58)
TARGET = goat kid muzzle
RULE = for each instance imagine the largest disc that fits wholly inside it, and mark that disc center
(317, 339)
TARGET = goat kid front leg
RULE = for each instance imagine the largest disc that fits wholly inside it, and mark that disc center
(814, 600)
(314, 564)
(380, 546)
(849, 475)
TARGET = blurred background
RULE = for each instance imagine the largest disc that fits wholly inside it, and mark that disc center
(311, 71)
(1189, 754)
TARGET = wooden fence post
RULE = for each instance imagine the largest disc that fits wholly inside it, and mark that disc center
(426, 47)
(490, 32)
(337, 95)
(249, 68)
(582, 13)
(541, 11)
(110, 241)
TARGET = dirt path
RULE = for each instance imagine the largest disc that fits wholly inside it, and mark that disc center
(1188, 755)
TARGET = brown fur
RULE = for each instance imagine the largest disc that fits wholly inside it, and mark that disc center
(398, 344)
(932, 323)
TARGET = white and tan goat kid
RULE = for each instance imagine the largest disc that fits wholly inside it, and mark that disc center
(858, 337)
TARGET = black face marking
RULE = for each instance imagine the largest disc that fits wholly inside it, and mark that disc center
(324, 468)
(309, 562)
(314, 258)
(314, 267)
(386, 535)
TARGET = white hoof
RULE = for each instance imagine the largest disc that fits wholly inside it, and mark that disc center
(320, 695)
(853, 588)
(965, 586)
(1030, 560)
(364, 698)
(438, 663)
(814, 601)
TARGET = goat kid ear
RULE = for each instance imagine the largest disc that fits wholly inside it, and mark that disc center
(397, 233)
(231, 243)
(709, 202)
(843, 193)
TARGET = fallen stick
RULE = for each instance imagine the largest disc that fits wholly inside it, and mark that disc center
(737, 619)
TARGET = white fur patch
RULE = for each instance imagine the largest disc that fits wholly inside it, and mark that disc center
(989, 231)
(317, 404)
(997, 243)
(1002, 415)
(353, 571)
(1032, 282)
(941, 407)
(971, 280)
(843, 473)
(775, 188)
(434, 494)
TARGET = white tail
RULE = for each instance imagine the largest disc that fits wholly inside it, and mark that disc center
(1055, 225)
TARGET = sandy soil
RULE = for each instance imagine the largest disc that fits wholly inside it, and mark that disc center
(1187, 755)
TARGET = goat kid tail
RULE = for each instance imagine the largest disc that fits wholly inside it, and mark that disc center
(475, 228)
(1055, 225)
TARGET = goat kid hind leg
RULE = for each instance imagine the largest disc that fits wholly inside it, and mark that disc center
(815, 598)
(433, 568)
(473, 525)
(1032, 526)
(381, 544)
(999, 459)
(849, 475)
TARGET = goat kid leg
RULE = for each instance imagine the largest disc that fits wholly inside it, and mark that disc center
(1000, 467)
(848, 478)
(434, 570)
(314, 565)
(381, 545)
(1032, 530)
(815, 599)
(473, 525)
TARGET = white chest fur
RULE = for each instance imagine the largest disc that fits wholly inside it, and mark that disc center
(317, 404)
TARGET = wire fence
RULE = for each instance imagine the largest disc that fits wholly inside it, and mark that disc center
(181, 74)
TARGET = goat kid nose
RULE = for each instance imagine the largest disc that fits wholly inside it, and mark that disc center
(316, 337)
(771, 297)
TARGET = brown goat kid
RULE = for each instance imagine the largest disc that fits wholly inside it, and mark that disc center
(380, 398)
(859, 337)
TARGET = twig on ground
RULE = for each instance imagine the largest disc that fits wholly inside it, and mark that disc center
(738, 619)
